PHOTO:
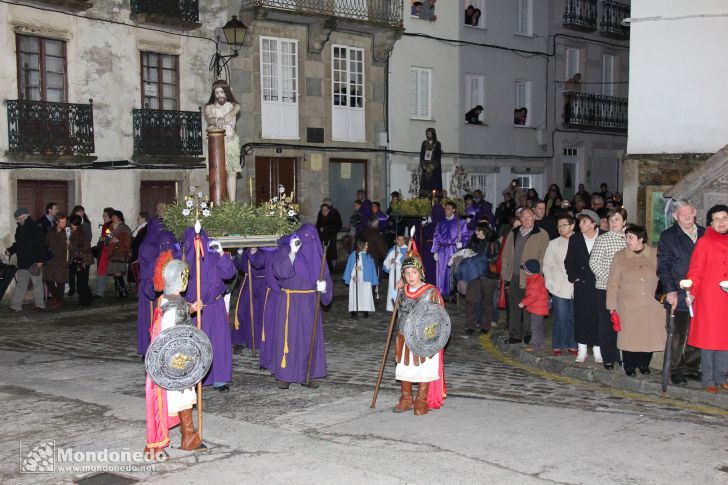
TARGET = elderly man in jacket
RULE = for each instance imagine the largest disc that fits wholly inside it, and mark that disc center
(673, 257)
(31, 250)
(521, 244)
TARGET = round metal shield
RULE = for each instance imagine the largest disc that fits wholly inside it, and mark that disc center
(426, 329)
(179, 357)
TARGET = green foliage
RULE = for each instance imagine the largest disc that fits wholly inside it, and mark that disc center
(422, 207)
(231, 218)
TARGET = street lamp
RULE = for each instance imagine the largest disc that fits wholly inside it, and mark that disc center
(234, 31)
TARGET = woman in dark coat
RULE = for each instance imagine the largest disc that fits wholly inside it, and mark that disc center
(80, 259)
(119, 252)
(586, 312)
(55, 271)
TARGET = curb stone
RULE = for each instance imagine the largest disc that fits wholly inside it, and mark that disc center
(565, 366)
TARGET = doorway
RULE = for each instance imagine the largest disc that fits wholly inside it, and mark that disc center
(270, 172)
(152, 192)
(35, 194)
(346, 176)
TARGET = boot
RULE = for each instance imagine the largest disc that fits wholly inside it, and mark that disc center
(597, 354)
(123, 292)
(405, 400)
(117, 290)
(190, 439)
(581, 356)
(421, 406)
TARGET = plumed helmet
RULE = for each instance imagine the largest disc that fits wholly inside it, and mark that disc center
(170, 275)
(413, 260)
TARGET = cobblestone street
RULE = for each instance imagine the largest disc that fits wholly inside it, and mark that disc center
(79, 381)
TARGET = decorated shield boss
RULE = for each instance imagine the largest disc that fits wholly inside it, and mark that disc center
(426, 329)
(179, 357)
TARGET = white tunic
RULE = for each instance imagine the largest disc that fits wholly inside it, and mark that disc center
(366, 299)
(427, 371)
(176, 400)
(395, 274)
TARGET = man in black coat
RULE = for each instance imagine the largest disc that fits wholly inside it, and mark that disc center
(547, 223)
(673, 258)
(48, 221)
(30, 248)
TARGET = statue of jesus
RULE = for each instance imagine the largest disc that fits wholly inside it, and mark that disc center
(221, 112)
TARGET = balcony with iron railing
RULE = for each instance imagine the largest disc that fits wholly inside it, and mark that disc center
(175, 13)
(378, 12)
(595, 111)
(162, 135)
(613, 15)
(72, 5)
(49, 130)
(580, 15)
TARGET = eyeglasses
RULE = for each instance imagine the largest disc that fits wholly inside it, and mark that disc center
(563, 225)
(719, 219)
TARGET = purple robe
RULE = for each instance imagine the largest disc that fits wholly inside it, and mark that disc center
(253, 265)
(295, 311)
(154, 243)
(366, 211)
(447, 234)
(214, 269)
(428, 231)
(265, 354)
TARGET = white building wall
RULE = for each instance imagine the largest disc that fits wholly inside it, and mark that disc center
(103, 64)
(678, 68)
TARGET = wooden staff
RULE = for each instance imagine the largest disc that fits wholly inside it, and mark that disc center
(390, 331)
(315, 320)
(250, 295)
(198, 249)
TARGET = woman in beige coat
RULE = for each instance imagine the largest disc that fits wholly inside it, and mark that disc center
(631, 300)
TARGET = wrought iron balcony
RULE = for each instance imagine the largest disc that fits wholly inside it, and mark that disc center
(46, 128)
(595, 111)
(613, 13)
(580, 14)
(381, 12)
(167, 12)
(166, 134)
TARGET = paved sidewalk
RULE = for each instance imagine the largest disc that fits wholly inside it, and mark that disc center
(70, 310)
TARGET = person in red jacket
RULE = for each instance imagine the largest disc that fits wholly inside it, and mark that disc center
(536, 302)
(708, 283)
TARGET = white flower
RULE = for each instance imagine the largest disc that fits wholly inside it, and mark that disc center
(206, 212)
(274, 199)
(203, 205)
(192, 189)
(190, 204)
(272, 213)
(281, 189)
(200, 194)
(185, 212)
(291, 213)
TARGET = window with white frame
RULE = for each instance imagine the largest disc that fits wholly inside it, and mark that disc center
(524, 181)
(523, 17)
(420, 93)
(475, 13)
(279, 88)
(347, 88)
(474, 96)
(572, 62)
(522, 106)
(609, 74)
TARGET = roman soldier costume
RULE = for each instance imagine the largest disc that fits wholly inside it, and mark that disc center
(427, 370)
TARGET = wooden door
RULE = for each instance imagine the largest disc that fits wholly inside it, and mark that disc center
(35, 194)
(270, 172)
(152, 192)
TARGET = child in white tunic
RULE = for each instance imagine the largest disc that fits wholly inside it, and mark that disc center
(393, 265)
(361, 274)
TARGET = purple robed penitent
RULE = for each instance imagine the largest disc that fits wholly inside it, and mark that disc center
(253, 265)
(444, 243)
(155, 242)
(265, 354)
(428, 231)
(214, 269)
(295, 311)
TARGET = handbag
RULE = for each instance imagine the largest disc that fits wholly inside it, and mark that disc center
(502, 300)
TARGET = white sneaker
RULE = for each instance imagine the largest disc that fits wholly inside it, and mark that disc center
(597, 354)
(581, 356)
